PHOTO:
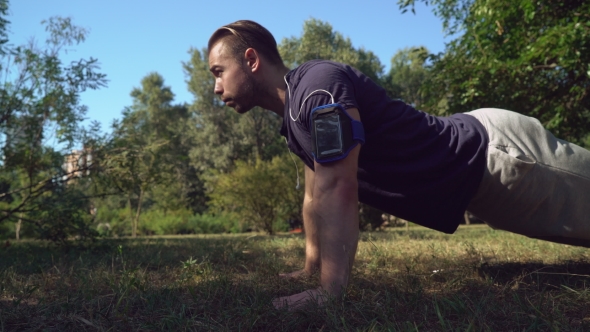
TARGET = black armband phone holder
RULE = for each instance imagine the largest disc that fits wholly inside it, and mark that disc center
(334, 133)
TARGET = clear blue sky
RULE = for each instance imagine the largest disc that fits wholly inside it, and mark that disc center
(132, 38)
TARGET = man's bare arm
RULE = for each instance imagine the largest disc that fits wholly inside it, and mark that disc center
(335, 206)
(312, 246)
(334, 210)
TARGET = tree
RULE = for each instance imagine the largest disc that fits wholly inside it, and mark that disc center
(149, 150)
(3, 25)
(259, 193)
(407, 74)
(527, 56)
(135, 166)
(320, 41)
(221, 135)
(39, 101)
(173, 123)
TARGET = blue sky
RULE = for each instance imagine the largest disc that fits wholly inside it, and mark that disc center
(131, 38)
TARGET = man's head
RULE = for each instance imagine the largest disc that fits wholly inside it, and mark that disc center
(236, 53)
(242, 35)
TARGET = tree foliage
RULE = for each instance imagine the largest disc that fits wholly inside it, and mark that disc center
(370, 218)
(320, 41)
(259, 193)
(149, 152)
(407, 74)
(40, 115)
(531, 57)
(3, 25)
(222, 136)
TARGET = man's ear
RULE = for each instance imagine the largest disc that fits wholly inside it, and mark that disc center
(252, 59)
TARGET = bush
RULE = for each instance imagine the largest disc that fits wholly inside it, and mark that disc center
(369, 217)
(113, 222)
(117, 222)
(258, 193)
(60, 215)
(214, 224)
(281, 225)
(158, 222)
(7, 231)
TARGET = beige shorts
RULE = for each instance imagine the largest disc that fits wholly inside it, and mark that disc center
(534, 184)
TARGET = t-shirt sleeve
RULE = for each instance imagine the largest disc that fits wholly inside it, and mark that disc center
(324, 83)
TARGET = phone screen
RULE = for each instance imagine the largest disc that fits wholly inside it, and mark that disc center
(328, 135)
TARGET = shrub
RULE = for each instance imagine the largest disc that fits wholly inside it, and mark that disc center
(258, 193)
(113, 222)
(369, 217)
(214, 224)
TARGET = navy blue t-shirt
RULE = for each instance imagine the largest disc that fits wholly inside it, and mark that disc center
(413, 165)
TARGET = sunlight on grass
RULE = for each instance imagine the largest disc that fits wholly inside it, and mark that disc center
(416, 280)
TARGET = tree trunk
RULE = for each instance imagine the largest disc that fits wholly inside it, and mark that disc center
(136, 221)
(18, 226)
(130, 212)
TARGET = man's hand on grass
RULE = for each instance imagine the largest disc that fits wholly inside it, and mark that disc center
(295, 274)
(296, 301)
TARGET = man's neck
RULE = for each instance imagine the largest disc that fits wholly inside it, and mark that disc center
(276, 91)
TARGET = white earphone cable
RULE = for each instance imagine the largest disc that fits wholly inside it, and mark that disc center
(294, 162)
(297, 118)
(304, 100)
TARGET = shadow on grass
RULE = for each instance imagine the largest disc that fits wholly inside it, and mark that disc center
(32, 257)
(150, 284)
(573, 274)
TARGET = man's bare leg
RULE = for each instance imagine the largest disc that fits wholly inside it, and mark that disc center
(312, 245)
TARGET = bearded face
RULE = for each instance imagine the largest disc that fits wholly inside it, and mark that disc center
(233, 82)
(243, 97)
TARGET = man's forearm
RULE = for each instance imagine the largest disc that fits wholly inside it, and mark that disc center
(330, 215)
(312, 245)
(336, 213)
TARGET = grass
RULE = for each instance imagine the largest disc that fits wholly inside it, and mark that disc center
(475, 280)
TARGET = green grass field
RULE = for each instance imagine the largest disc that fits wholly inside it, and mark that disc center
(418, 280)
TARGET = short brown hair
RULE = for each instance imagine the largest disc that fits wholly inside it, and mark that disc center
(244, 34)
